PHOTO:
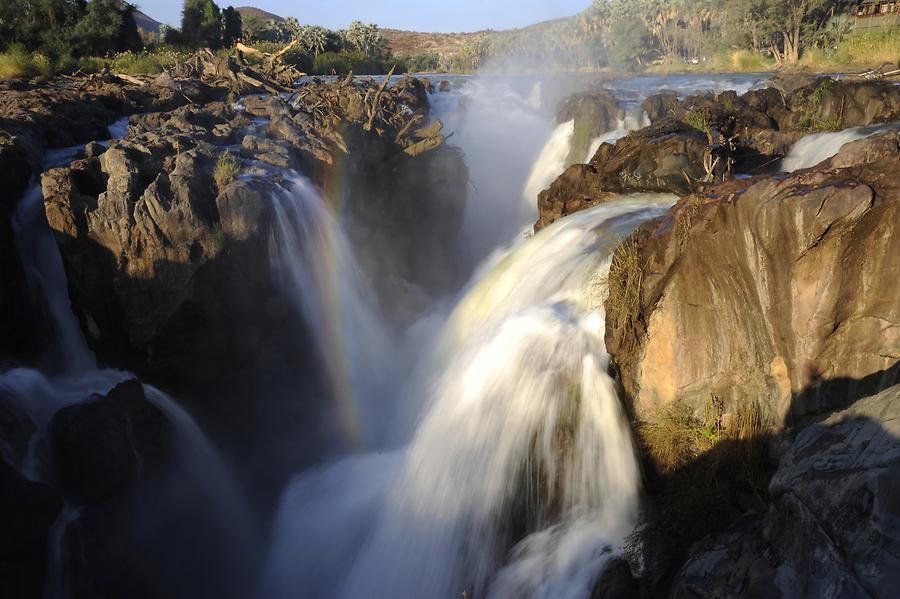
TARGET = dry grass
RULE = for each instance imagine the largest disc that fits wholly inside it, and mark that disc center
(626, 273)
(685, 216)
(675, 436)
(227, 169)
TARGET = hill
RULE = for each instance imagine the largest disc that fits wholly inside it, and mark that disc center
(410, 43)
(251, 13)
(147, 24)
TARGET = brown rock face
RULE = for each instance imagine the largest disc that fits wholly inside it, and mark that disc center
(36, 117)
(666, 157)
(781, 293)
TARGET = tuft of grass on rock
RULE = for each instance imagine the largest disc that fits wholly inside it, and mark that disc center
(626, 274)
(227, 169)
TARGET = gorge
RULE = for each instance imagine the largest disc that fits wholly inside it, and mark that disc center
(474, 336)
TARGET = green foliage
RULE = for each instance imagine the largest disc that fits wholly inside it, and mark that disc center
(629, 44)
(227, 169)
(231, 26)
(341, 63)
(626, 274)
(428, 62)
(201, 24)
(16, 63)
(99, 30)
(698, 120)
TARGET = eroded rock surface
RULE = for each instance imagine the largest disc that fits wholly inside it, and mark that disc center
(707, 138)
(777, 291)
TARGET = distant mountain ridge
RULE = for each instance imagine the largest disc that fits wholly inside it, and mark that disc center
(146, 23)
(251, 12)
(400, 42)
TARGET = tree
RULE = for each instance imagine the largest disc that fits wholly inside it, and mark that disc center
(313, 39)
(201, 24)
(232, 26)
(106, 27)
(366, 39)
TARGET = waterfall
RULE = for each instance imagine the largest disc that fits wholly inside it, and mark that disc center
(635, 118)
(520, 479)
(818, 147)
(69, 376)
(46, 280)
(312, 260)
(501, 132)
(550, 164)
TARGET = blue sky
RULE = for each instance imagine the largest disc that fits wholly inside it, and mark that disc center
(417, 15)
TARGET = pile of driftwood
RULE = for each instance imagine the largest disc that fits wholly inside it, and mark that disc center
(888, 70)
(233, 72)
(398, 111)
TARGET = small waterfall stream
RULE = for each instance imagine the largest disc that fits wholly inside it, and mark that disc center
(818, 147)
(69, 376)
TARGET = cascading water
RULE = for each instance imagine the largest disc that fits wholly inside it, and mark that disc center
(70, 376)
(501, 132)
(551, 162)
(634, 119)
(493, 455)
(818, 147)
(312, 259)
(522, 433)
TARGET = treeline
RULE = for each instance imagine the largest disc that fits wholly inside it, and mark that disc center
(632, 34)
(63, 29)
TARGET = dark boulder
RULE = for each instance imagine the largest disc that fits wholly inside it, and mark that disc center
(832, 529)
(28, 510)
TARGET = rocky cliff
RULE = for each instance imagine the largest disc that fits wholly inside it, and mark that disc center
(776, 290)
(166, 238)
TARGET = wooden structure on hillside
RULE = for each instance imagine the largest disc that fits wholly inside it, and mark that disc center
(877, 15)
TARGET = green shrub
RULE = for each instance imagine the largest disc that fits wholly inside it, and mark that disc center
(227, 169)
(329, 63)
(16, 63)
(626, 273)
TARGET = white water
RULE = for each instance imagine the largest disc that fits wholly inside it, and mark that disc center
(518, 387)
(46, 279)
(501, 133)
(550, 164)
(818, 147)
(635, 118)
(513, 403)
(312, 259)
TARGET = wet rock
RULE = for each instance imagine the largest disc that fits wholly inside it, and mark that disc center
(832, 528)
(616, 582)
(772, 292)
(594, 113)
(667, 157)
(100, 445)
(27, 512)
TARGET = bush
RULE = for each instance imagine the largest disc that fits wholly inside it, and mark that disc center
(427, 62)
(341, 63)
(749, 62)
(227, 169)
(329, 63)
(16, 63)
